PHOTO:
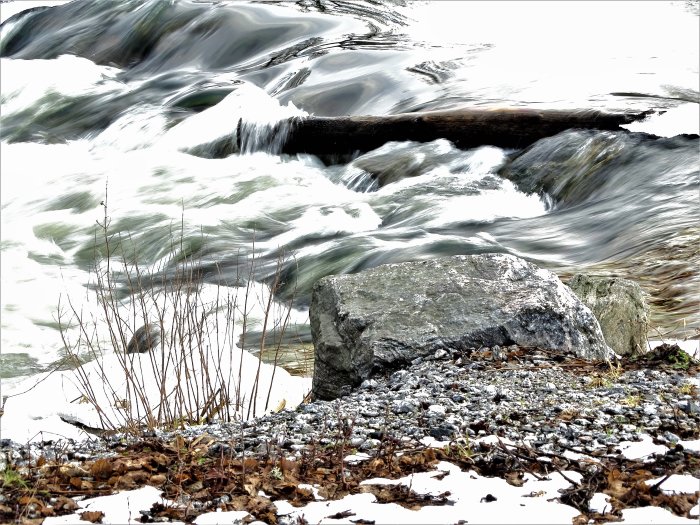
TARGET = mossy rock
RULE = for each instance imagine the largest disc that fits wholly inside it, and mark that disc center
(671, 355)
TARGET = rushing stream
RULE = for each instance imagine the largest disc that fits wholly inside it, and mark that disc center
(111, 109)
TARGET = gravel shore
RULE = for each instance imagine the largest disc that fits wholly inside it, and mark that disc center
(550, 411)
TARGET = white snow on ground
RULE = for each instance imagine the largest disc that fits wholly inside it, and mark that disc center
(646, 447)
(528, 503)
(691, 346)
(118, 508)
(694, 512)
(534, 502)
(641, 449)
(676, 483)
(221, 518)
(599, 503)
(692, 444)
(655, 515)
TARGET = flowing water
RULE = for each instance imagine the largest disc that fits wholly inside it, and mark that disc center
(114, 109)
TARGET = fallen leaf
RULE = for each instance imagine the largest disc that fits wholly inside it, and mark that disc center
(76, 483)
(515, 479)
(102, 469)
(161, 460)
(157, 480)
(29, 500)
(93, 516)
(64, 503)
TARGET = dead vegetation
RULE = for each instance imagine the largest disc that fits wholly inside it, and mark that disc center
(203, 475)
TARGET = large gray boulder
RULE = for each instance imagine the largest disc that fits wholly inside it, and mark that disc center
(387, 316)
(620, 308)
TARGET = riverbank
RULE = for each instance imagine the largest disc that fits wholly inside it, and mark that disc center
(546, 432)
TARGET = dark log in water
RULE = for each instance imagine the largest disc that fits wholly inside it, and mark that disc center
(505, 128)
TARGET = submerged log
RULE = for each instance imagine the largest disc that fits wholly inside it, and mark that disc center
(469, 128)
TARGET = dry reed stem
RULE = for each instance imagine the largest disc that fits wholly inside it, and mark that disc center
(186, 348)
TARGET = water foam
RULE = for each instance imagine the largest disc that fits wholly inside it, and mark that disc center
(36, 84)
(262, 124)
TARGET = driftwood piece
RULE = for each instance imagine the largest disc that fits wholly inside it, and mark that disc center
(505, 128)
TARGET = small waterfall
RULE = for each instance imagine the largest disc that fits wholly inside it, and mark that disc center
(246, 120)
(269, 137)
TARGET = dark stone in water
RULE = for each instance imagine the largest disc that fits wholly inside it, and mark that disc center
(568, 167)
(144, 339)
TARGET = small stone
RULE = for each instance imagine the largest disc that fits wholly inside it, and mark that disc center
(436, 410)
(688, 406)
(613, 410)
(671, 437)
(368, 384)
(439, 354)
(370, 444)
(442, 432)
(403, 407)
(654, 422)
(649, 409)
(357, 441)
(498, 354)
(145, 339)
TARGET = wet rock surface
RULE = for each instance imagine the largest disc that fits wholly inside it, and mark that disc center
(620, 308)
(383, 318)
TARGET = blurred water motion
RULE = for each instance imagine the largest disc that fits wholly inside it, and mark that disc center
(128, 97)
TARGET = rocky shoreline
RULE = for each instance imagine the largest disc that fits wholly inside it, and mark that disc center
(418, 365)
(517, 409)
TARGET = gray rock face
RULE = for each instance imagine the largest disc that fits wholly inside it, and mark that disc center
(387, 316)
(620, 308)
